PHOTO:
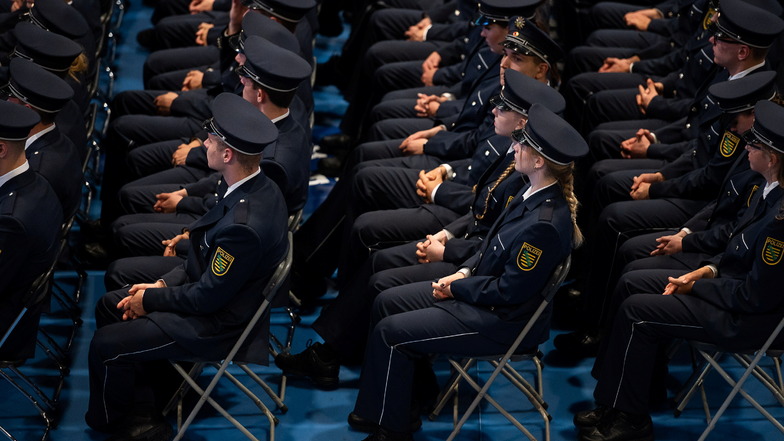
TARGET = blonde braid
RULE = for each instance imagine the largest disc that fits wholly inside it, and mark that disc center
(509, 169)
(564, 174)
(78, 66)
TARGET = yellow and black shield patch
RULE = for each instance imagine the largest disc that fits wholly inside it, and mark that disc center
(528, 257)
(221, 262)
(772, 251)
(729, 143)
(706, 21)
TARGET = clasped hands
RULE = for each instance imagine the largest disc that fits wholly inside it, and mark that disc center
(442, 288)
(133, 304)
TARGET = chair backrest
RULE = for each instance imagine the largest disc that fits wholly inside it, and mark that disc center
(38, 292)
(548, 292)
(269, 292)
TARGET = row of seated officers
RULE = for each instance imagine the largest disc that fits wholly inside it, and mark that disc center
(461, 170)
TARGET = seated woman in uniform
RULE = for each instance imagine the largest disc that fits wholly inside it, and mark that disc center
(481, 308)
(734, 299)
(344, 324)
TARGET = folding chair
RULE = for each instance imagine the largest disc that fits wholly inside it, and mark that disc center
(204, 394)
(44, 404)
(502, 366)
(712, 355)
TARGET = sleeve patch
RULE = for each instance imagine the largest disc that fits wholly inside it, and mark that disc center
(729, 143)
(772, 251)
(528, 257)
(221, 262)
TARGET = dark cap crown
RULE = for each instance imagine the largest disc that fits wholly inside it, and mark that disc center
(520, 92)
(59, 17)
(241, 125)
(502, 11)
(17, 121)
(768, 128)
(741, 94)
(38, 87)
(51, 51)
(261, 25)
(273, 67)
(551, 136)
(524, 37)
(748, 24)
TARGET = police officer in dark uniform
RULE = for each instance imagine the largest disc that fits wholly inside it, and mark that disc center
(30, 222)
(527, 49)
(64, 58)
(49, 152)
(732, 301)
(480, 188)
(479, 309)
(643, 205)
(199, 308)
(271, 76)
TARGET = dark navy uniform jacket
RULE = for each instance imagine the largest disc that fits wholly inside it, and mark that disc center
(234, 249)
(515, 261)
(56, 159)
(742, 306)
(30, 222)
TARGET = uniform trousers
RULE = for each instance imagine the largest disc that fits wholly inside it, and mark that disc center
(408, 328)
(127, 271)
(138, 196)
(579, 89)
(123, 362)
(397, 128)
(604, 142)
(180, 30)
(344, 323)
(148, 159)
(617, 223)
(170, 60)
(141, 234)
(631, 359)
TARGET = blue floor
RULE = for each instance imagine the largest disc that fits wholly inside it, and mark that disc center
(316, 415)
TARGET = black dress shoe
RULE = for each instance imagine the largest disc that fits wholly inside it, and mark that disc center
(383, 434)
(337, 143)
(364, 425)
(143, 429)
(330, 167)
(578, 344)
(590, 418)
(620, 426)
(323, 372)
(147, 38)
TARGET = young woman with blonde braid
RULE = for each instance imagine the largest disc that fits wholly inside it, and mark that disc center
(480, 308)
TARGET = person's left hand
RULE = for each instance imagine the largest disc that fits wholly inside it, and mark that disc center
(442, 288)
(193, 80)
(646, 95)
(167, 202)
(685, 283)
(417, 32)
(201, 33)
(427, 183)
(164, 102)
(132, 305)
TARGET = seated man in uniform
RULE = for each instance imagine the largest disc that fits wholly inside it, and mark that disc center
(30, 220)
(199, 308)
(732, 300)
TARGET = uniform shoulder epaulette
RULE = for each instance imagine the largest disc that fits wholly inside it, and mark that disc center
(546, 210)
(241, 212)
(7, 202)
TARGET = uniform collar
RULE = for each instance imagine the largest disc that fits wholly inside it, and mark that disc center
(35, 137)
(14, 173)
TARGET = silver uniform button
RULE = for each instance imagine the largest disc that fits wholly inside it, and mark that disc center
(487, 152)
(473, 103)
